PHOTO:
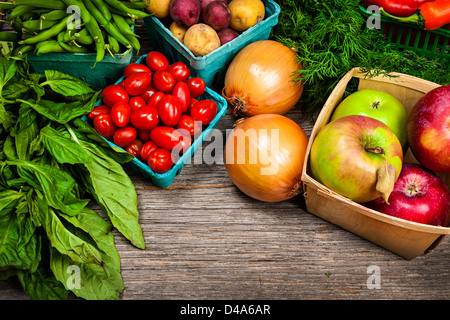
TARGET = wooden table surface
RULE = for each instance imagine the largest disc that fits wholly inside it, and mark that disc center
(207, 240)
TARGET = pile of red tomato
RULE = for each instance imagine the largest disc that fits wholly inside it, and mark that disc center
(154, 113)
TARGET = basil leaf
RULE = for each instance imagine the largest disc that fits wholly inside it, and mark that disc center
(63, 240)
(114, 191)
(98, 282)
(58, 186)
(19, 246)
(65, 84)
(63, 149)
(8, 69)
(62, 112)
(42, 285)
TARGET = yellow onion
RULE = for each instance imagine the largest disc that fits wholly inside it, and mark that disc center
(260, 79)
(264, 157)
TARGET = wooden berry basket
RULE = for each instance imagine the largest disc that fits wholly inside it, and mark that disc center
(405, 238)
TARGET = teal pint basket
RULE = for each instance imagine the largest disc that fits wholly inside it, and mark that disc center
(81, 65)
(213, 66)
(164, 180)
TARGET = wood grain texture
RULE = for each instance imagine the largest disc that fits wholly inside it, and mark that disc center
(207, 240)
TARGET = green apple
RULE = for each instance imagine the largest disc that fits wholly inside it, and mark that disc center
(358, 157)
(378, 105)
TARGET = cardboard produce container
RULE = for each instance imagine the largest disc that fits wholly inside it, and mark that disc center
(405, 238)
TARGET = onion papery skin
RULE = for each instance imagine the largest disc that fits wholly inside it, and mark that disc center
(260, 79)
(279, 145)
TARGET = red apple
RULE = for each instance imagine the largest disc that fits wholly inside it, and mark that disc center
(358, 157)
(429, 130)
(419, 195)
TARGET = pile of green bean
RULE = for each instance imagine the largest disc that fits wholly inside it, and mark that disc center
(104, 26)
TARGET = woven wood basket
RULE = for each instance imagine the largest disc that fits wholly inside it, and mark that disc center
(405, 238)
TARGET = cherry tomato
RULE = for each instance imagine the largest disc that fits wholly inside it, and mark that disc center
(120, 113)
(137, 83)
(156, 61)
(155, 98)
(204, 111)
(180, 71)
(136, 102)
(166, 137)
(135, 147)
(125, 136)
(114, 93)
(197, 86)
(148, 92)
(160, 160)
(99, 110)
(191, 103)
(144, 135)
(147, 148)
(164, 80)
(169, 110)
(145, 118)
(135, 67)
(182, 92)
(188, 124)
(105, 126)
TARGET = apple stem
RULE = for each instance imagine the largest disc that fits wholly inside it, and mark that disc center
(376, 150)
(376, 105)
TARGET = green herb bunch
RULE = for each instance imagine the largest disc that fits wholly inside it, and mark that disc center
(331, 37)
(52, 166)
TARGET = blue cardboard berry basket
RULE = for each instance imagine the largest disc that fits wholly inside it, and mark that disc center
(213, 66)
(164, 180)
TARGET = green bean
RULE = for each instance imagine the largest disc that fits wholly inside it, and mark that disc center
(133, 13)
(110, 28)
(113, 44)
(19, 11)
(73, 49)
(8, 36)
(48, 46)
(136, 4)
(47, 34)
(84, 37)
(6, 5)
(54, 15)
(38, 25)
(22, 49)
(122, 25)
(85, 15)
(49, 4)
(103, 8)
(96, 34)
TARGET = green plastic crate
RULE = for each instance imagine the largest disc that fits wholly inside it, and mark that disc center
(405, 36)
(211, 67)
(81, 65)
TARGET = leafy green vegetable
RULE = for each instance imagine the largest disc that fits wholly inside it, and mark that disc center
(52, 165)
(330, 38)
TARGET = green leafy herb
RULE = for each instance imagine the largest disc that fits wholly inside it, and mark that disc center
(52, 165)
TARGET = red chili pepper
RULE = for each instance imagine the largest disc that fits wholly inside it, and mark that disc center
(431, 15)
(399, 8)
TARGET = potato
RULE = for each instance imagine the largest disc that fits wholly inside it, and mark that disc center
(159, 8)
(185, 12)
(178, 31)
(201, 39)
(217, 15)
(226, 35)
(246, 13)
(204, 4)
